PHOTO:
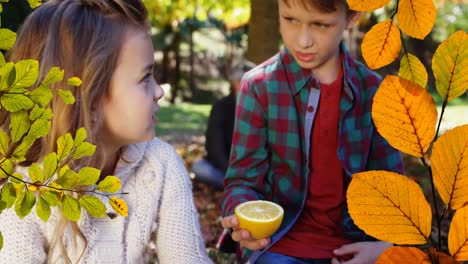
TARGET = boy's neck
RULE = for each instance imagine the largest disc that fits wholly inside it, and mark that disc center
(329, 71)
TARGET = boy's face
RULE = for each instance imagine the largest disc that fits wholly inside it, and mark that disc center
(312, 36)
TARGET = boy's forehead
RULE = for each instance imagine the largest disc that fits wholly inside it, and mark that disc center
(327, 6)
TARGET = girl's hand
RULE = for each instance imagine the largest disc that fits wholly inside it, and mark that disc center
(360, 253)
(243, 236)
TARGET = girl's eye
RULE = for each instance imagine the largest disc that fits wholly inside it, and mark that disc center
(146, 78)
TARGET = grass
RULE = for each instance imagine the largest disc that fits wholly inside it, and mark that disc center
(183, 118)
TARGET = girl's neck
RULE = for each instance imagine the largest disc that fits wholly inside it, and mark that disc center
(110, 163)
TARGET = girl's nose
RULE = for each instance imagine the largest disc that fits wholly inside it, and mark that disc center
(158, 92)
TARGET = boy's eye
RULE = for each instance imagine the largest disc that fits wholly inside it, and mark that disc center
(291, 20)
(322, 25)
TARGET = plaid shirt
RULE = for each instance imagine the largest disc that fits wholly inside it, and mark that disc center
(270, 148)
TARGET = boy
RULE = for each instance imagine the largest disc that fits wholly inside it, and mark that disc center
(303, 127)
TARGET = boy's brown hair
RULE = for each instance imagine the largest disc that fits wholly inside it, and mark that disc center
(326, 6)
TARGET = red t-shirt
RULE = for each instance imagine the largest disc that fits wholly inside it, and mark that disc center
(318, 230)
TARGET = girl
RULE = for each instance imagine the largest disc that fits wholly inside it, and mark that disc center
(105, 43)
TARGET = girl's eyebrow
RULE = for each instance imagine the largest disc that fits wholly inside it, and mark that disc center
(148, 67)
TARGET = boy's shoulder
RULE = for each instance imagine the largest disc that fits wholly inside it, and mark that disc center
(265, 71)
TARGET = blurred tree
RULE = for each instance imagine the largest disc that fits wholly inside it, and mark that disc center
(264, 36)
(177, 20)
(14, 13)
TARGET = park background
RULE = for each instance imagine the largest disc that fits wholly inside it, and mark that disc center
(198, 41)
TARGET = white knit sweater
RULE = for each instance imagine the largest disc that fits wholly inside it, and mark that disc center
(159, 198)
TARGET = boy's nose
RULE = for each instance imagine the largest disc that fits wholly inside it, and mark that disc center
(305, 39)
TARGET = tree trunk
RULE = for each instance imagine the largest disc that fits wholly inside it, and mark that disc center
(176, 77)
(263, 33)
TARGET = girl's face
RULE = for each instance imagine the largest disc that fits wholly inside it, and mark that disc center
(131, 106)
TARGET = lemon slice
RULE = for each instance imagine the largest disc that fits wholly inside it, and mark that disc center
(260, 218)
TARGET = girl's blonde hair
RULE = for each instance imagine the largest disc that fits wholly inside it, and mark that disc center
(84, 38)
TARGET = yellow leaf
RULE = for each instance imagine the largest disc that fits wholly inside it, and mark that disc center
(381, 44)
(119, 205)
(405, 115)
(450, 66)
(366, 5)
(389, 207)
(394, 255)
(416, 17)
(458, 235)
(412, 69)
(449, 160)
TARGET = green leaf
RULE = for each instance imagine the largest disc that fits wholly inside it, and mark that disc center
(6, 168)
(35, 173)
(74, 81)
(19, 125)
(93, 205)
(7, 75)
(89, 176)
(34, 3)
(43, 209)
(63, 170)
(55, 75)
(41, 95)
(21, 150)
(110, 184)
(51, 197)
(83, 150)
(40, 113)
(64, 146)
(25, 203)
(16, 102)
(67, 96)
(1, 240)
(71, 208)
(39, 128)
(50, 165)
(68, 180)
(7, 39)
(27, 72)
(3, 142)
(20, 184)
(8, 194)
(80, 136)
(2, 60)
(2, 205)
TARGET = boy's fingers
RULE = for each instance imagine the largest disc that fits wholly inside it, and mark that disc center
(229, 221)
(347, 249)
(255, 244)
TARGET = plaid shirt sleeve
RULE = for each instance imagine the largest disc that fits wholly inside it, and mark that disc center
(249, 152)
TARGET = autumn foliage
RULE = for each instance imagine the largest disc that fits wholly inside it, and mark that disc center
(390, 206)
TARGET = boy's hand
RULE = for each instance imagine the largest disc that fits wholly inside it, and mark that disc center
(243, 236)
(360, 253)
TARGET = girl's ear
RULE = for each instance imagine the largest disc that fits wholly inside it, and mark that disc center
(352, 19)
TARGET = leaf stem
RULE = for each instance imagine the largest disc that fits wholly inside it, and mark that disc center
(436, 207)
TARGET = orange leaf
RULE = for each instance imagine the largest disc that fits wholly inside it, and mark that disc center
(395, 255)
(381, 44)
(412, 69)
(389, 207)
(458, 235)
(450, 66)
(449, 162)
(416, 17)
(366, 5)
(405, 115)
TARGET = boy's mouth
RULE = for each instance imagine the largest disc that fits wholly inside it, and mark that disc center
(305, 57)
